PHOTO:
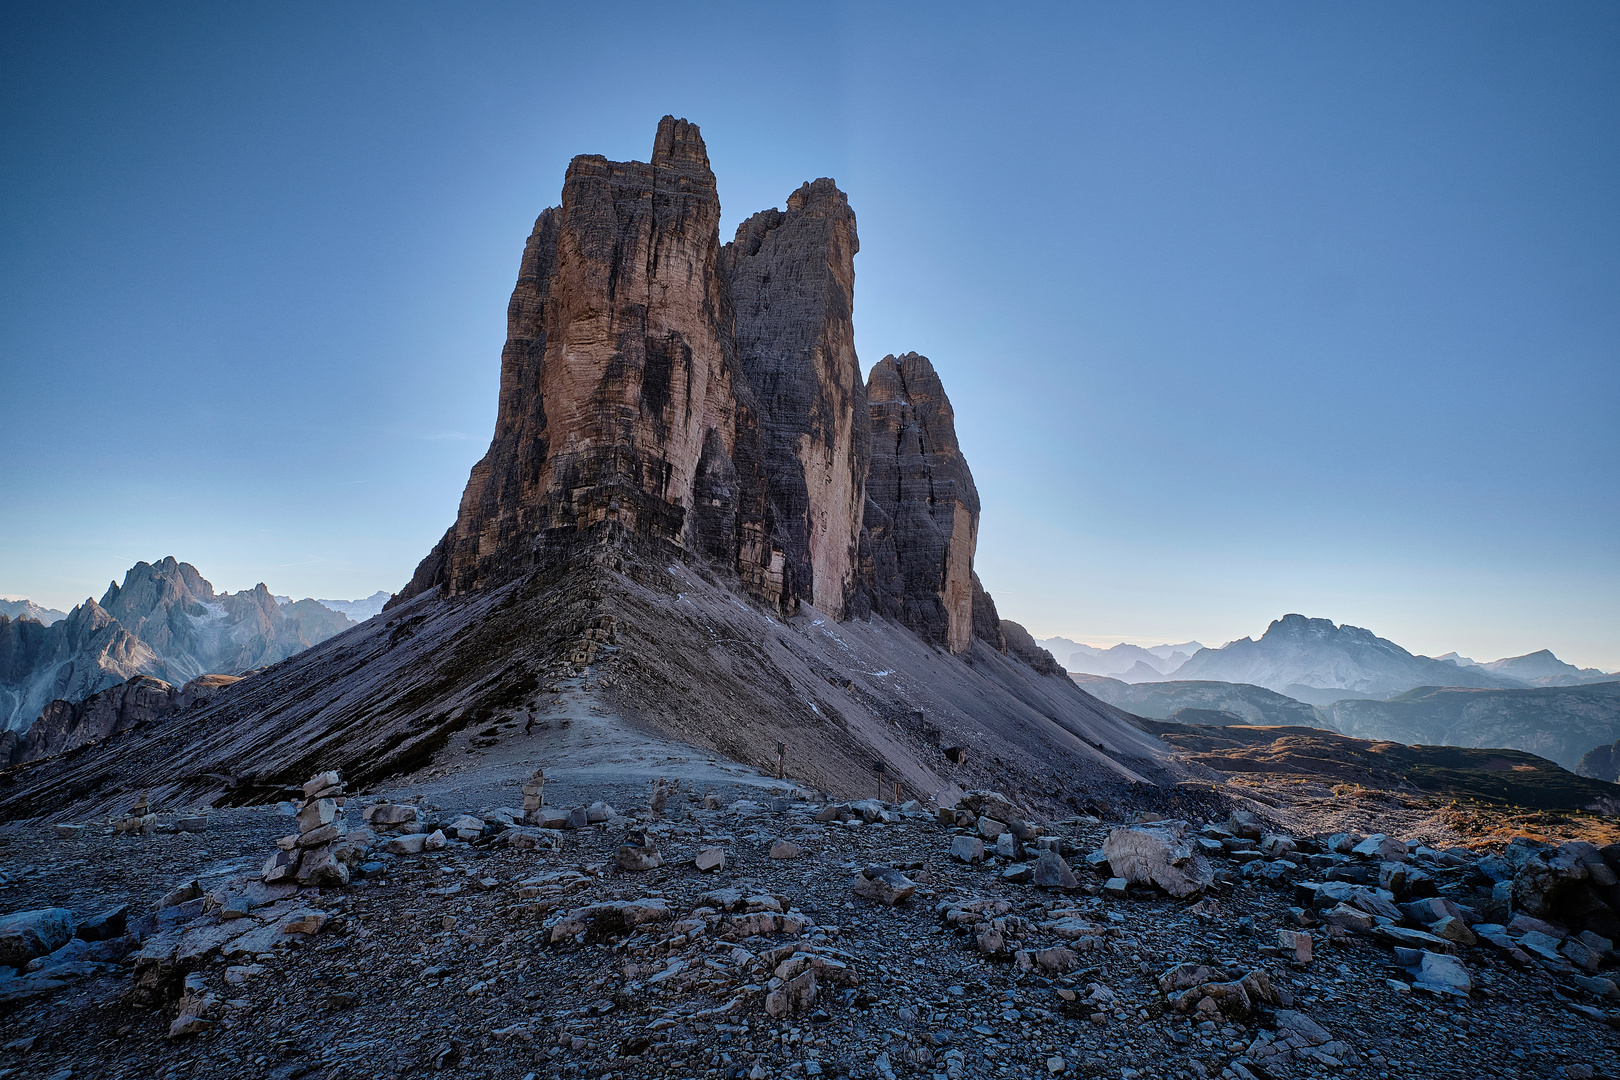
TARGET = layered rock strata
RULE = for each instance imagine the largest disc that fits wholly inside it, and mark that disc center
(617, 404)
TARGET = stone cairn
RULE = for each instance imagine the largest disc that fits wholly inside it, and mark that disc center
(534, 797)
(139, 819)
(307, 858)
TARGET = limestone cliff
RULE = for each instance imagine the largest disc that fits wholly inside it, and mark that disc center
(791, 278)
(616, 372)
(922, 510)
(637, 401)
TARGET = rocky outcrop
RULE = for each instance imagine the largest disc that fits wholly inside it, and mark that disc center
(1601, 763)
(657, 388)
(617, 374)
(66, 725)
(791, 278)
(1021, 644)
(922, 510)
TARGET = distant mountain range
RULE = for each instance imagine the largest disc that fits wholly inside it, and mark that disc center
(1129, 663)
(1309, 672)
(165, 621)
(27, 609)
(1314, 661)
(1217, 703)
(360, 610)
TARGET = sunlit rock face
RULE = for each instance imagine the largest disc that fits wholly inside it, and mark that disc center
(657, 388)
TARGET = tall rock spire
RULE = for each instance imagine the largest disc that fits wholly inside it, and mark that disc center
(792, 283)
(636, 403)
(922, 509)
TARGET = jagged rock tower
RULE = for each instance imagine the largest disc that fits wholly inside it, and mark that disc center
(658, 388)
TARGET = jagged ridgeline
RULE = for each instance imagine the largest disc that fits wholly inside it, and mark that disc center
(693, 500)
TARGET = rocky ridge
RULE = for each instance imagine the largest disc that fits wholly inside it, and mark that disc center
(67, 725)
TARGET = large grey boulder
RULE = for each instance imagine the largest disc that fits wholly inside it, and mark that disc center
(1158, 854)
(1052, 872)
(27, 934)
(884, 884)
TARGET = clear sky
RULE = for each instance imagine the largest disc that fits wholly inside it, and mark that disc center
(1245, 309)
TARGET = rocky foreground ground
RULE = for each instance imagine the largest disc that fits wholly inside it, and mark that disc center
(467, 943)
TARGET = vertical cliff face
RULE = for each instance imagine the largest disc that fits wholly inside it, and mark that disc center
(634, 396)
(616, 377)
(791, 278)
(922, 510)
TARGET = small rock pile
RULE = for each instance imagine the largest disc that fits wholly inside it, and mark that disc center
(139, 819)
(312, 857)
(534, 797)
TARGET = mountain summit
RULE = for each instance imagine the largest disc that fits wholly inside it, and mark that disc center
(164, 621)
(1314, 660)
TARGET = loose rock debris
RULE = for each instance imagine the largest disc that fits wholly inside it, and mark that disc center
(472, 943)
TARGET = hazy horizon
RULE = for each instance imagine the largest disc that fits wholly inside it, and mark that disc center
(1243, 312)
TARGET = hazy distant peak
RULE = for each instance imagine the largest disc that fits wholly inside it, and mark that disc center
(1298, 628)
(359, 610)
(1541, 667)
(24, 608)
(1314, 659)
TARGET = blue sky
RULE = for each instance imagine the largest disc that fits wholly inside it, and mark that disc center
(1245, 309)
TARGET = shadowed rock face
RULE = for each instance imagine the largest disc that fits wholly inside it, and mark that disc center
(64, 725)
(791, 278)
(617, 371)
(922, 510)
